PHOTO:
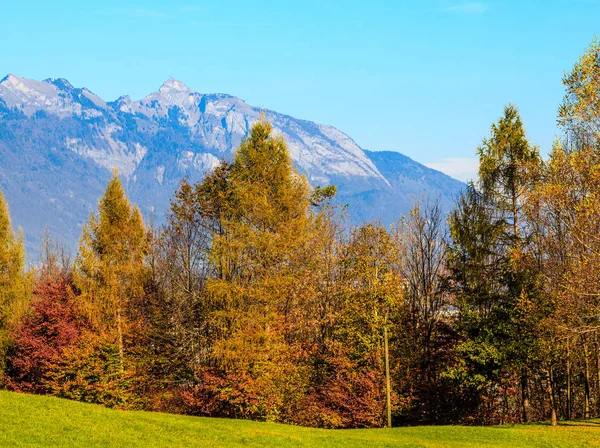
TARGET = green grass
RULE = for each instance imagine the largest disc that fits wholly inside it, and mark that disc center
(28, 420)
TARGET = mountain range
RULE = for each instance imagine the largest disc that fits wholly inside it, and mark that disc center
(59, 145)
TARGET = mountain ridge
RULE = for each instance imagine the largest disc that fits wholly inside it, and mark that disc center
(51, 130)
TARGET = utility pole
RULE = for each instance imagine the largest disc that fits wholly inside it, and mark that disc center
(387, 372)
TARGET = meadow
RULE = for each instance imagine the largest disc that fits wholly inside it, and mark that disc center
(30, 420)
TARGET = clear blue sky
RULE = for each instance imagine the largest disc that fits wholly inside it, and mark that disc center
(426, 78)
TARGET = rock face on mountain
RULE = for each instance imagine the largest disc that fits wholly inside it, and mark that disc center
(59, 144)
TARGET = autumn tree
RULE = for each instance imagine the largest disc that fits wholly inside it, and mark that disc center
(492, 264)
(109, 269)
(40, 338)
(505, 158)
(507, 161)
(14, 282)
(177, 343)
(423, 342)
(569, 202)
(579, 112)
(259, 222)
(423, 254)
(372, 300)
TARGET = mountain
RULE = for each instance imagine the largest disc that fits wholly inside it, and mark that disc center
(59, 144)
(409, 181)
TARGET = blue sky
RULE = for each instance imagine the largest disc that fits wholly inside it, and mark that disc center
(426, 78)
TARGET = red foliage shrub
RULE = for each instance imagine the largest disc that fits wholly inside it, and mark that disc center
(349, 396)
(234, 395)
(41, 336)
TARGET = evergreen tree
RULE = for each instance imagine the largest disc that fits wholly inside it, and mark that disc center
(507, 162)
(489, 225)
(505, 159)
(475, 264)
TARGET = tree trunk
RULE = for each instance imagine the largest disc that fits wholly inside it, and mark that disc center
(550, 392)
(515, 217)
(120, 337)
(525, 395)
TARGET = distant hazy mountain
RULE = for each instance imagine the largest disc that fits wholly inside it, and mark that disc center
(58, 145)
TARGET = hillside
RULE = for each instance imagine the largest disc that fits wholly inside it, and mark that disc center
(59, 144)
(28, 420)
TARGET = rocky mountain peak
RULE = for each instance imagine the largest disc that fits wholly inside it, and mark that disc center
(26, 87)
(9, 79)
(60, 83)
(173, 85)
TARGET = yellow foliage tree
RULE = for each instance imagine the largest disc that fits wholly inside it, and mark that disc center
(14, 282)
(109, 269)
(262, 230)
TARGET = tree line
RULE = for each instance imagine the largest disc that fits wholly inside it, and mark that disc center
(258, 299)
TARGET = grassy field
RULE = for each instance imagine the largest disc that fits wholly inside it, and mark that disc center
(27, 420)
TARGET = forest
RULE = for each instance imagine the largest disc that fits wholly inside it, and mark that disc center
(259, 299)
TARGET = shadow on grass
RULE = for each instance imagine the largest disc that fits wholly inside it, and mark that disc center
(594, 423)
(591, 423)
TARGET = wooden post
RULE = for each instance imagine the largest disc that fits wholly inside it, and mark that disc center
(569, 393)
(387, 376)
(586, 384)
(597, 374)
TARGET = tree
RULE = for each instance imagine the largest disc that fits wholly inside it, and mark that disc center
(109, 269)
(14, 282)
(506, 161)
(475, 265)
(177, 341)
(370, 297)
(494, 274)
(504, 164)
(55, 258)
(569, 213)
(40, 338)
(423, 245)
(261, 209)
(579, 113)
(421, 239)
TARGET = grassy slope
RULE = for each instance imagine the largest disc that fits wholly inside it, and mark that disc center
(27, 420)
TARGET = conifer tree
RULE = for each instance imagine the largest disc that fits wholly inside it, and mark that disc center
(504, 161)
(263, 211)
(579, 112)
(491, 258)
(507, 161)
(109, 269)
(476, 270)
(14, 283)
